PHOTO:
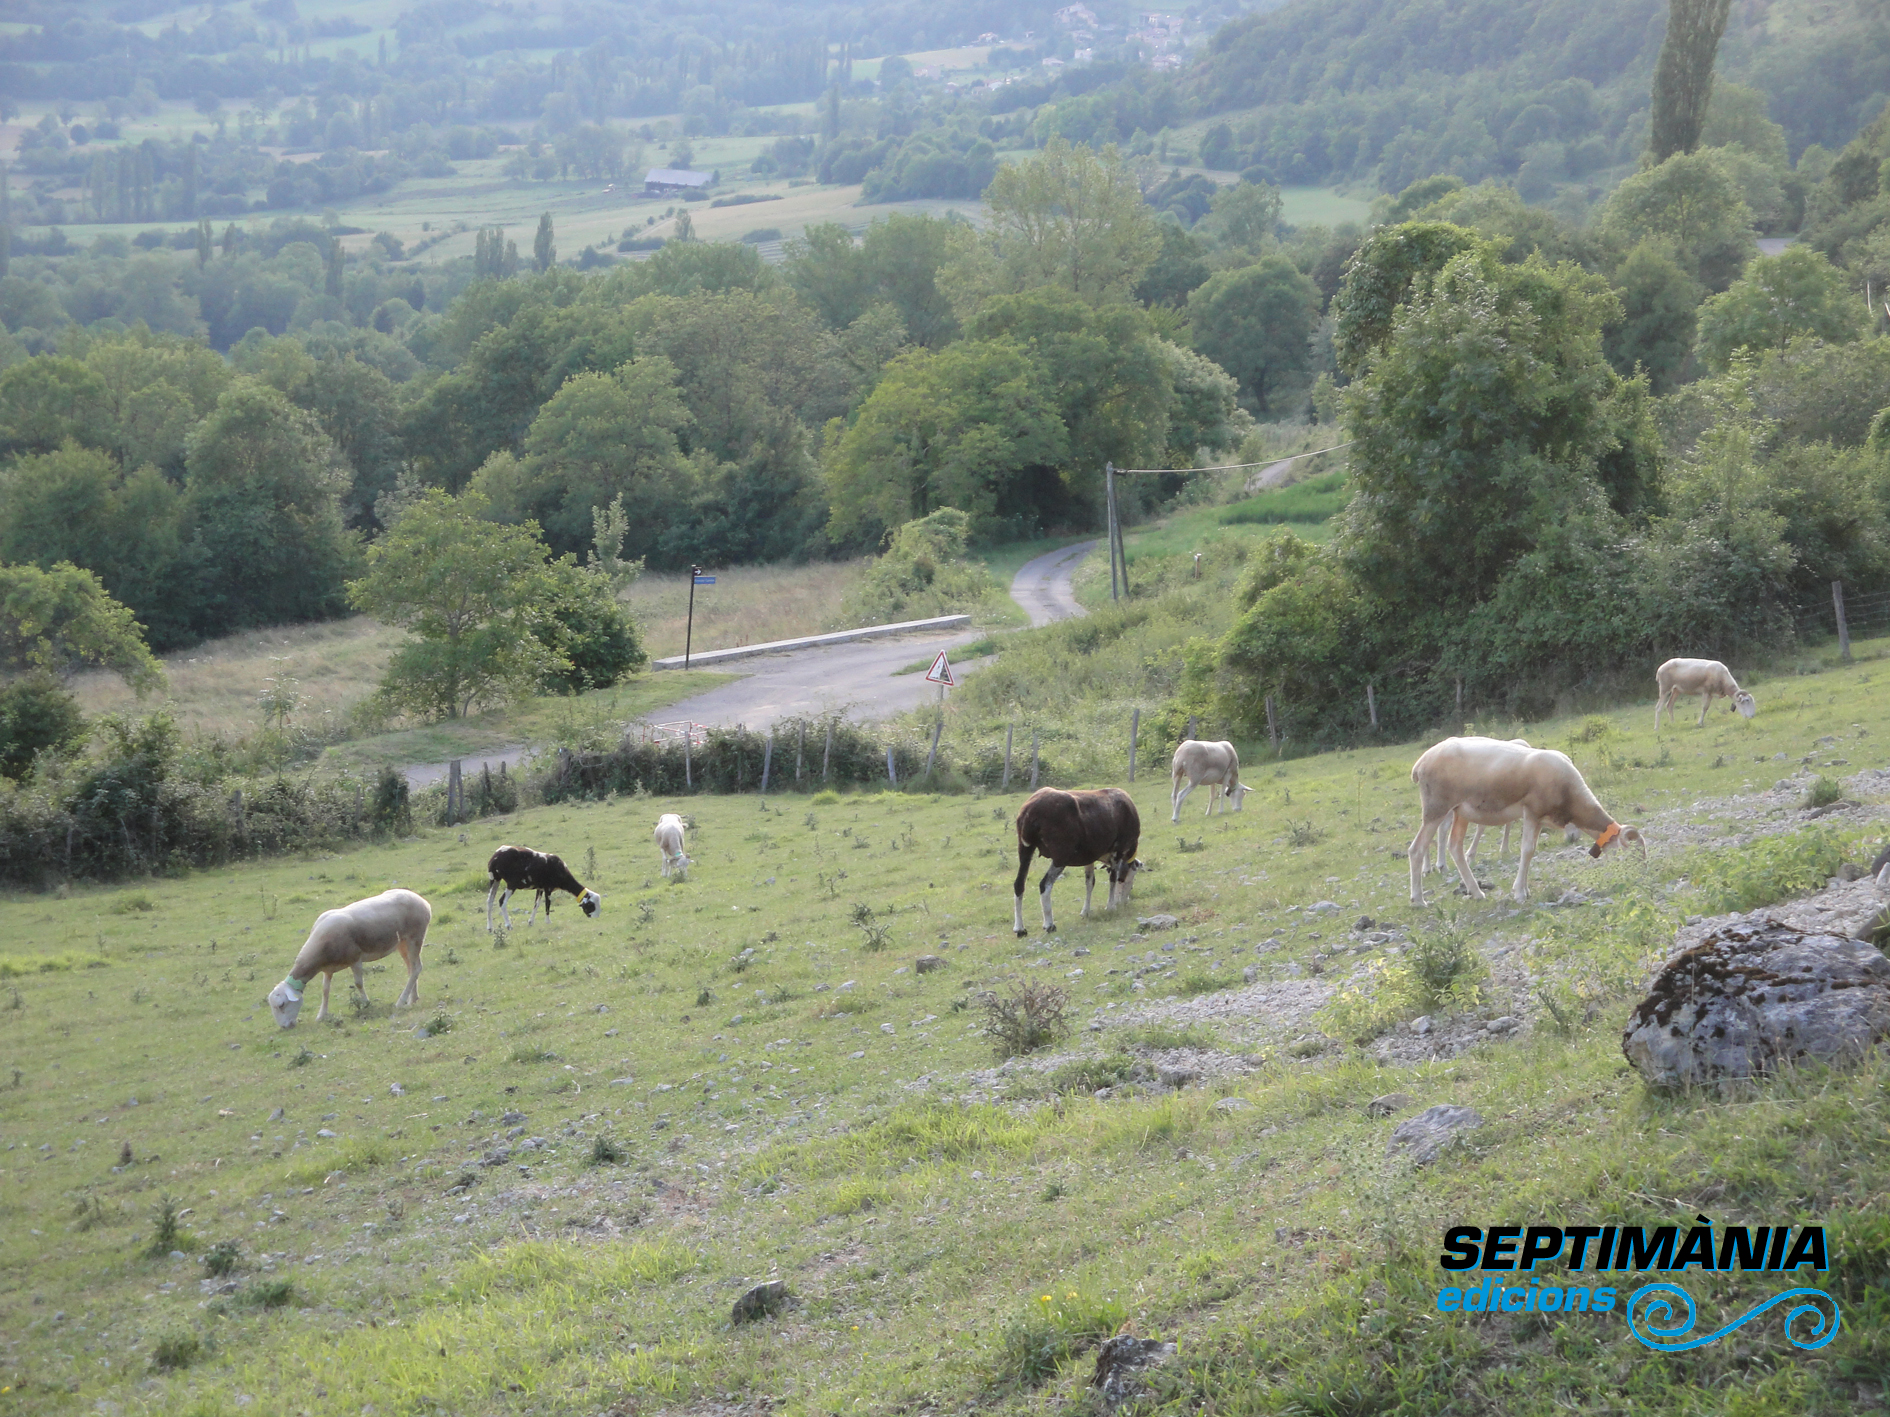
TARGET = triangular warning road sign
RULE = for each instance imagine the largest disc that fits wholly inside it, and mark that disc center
(941, 672)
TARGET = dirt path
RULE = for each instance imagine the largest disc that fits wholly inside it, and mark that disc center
(857, 680)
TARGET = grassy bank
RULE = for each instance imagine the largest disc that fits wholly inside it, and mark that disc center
(785, 1096)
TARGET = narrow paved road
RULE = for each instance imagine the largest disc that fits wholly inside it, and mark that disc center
(853, 679)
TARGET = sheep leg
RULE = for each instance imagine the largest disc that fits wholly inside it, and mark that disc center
(534, 915)
(1089, 888)
(1181, 795)
(360, 982)
(1706, 702)
(1024, 853)
(1421, 849)
(504, 896)
(411, 954)
(1530, 828)
(1216, 793)
(1459, 829)
(492, 889)
(1043, 891)
(327, 978)
(1475, 842)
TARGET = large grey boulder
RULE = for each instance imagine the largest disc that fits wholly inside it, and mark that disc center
(1753, 994)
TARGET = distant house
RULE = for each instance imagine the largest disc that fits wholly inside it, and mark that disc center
(669, 181)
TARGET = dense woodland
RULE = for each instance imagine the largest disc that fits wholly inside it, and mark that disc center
(1584, 434)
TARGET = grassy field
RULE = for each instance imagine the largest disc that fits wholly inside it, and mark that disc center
(541, 1190)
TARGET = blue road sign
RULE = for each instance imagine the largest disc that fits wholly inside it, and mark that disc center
(705, 580)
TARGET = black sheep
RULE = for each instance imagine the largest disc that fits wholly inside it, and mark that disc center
(520, 868)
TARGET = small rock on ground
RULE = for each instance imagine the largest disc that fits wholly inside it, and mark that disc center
(761, 1301)
(1433, 1129)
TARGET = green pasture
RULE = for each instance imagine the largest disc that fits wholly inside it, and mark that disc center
(741, 1076)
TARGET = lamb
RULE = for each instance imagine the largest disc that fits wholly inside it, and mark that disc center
(353, 936)
(1077, 829)
(1487, 782)
(1216, 764)
(669, 840)
(1706, 677)
(520, 868)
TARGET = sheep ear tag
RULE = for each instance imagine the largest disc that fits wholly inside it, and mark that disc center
(1613, 830)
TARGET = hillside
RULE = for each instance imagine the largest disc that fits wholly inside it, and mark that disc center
(1394, 90)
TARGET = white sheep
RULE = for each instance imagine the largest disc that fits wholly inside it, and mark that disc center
(1487, 781)
(1706, 677)
(1215, 764)
(1476, 841)
(669, 840)
(350, 937)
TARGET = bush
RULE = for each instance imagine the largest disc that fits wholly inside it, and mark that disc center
(163, 1228)
(36, 715)
(730, 761)
(222, 1258)
(1823, 792)
(1028, 1017)
(1444, 963)
(178, 1349)
(923, 573)
(1769, 870)
(596, 635)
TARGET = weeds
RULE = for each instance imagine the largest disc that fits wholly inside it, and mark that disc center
(1083, 1075)
(302, 1058)
(1025, 1019)
(164, 1226)
(875, 936)
(1200, 981)
(271, 1294)
(177, 1349)
(605, 1152)
(1444, 963)
(1771, 869)
(1303, 833)
(1039, 1341)
(704, 997)
(222, 1258)
(1823, 792)
(441, 1022)
(498, 937)
(89, 1214)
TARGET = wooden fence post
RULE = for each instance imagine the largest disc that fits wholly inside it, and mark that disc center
(1189, 735)
(826, 758)
(932, 756)
(800, 750)
(688, 774)
(1135, 727)
(891, 775)
(1371, 706)
(767, 761)
(1273, 729)
(1005, 785)
(1033, 760)
(1844, 628)
(455, 792)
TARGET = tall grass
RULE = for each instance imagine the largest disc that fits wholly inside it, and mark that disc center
(747, 604)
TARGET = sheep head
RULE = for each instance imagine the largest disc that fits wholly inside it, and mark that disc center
(1614, 832)
(590, 902)
(1744, 703)
(285, 1001)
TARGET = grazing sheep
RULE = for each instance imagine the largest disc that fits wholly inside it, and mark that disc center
(1443, 834)
(1077, 829)
(520, 868)
(1487, 782)
(353, 936)
(1216, 764)
(669, 841)
(1706, 677)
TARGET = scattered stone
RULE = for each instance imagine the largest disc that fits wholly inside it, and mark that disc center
(1388, 1105)
(885, 1028)
(925, 964)
(1506, 1024)
(397, 1089)
(760, 1302)
(1159, 922)
(1230, 1104)
(276, 1116)
(1250, 974)
(324, 1132)
(1172, 1075)
(857, 1056)
(1120, 1359)
(1754, 994)
(1849, 871)
(1323, 907)
(623, 1082)
(1365, 922)
(511, 1119)
(1433, 1129)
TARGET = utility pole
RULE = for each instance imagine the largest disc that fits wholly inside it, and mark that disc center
(1109, 523)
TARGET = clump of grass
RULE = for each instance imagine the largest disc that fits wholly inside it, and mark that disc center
(164, 1224)
(271, 1293)
(1200, 981)
(441, 1022)
(1303, 833)
(606, 1152)
(89, 1214)
(874, 935)
(1082, 1075)
(1157, 1036)
(176, 1349)
(529, 1053)
(848, 1003)
(1039, 1341)
(1443, 962)
(1823, 792)
(1025, 1018)
(1771, 869)
(302, 1058)
(132, 905)
(222, 1258)
(826, 797)
(704, 997)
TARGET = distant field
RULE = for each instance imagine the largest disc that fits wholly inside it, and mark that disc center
(747, 605)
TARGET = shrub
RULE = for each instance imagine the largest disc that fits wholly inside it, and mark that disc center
(1444, 962)
(36, 715)
(271, 1293)
(163, 1228)
(1026, 1018)
(178, 1349)
(605, 1152)
(1771, 869)
(222, 1258)
(924, 572)
(1034, 1344)
(1823, 792)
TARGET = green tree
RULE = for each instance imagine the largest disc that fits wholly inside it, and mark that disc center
(1393, 264)
(1074, 218)
(1796, 292)
(45, 401)
(1246, 215)
(37, 714)
(961, 427)
(262, 500)
(1481, 423)
(1255, 323)
(828, 271)
(1177, 270)
(605, 436)
(1691, 201)
(476, 595)
(1659, 305)
(544, 251)
(60, 621)
(1683, 75)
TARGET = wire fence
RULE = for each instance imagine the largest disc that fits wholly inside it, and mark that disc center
(1866, 617)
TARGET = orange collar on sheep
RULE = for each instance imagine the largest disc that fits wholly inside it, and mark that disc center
(1612, 830)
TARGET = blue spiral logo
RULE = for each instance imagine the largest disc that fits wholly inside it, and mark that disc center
(1665, 1335)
